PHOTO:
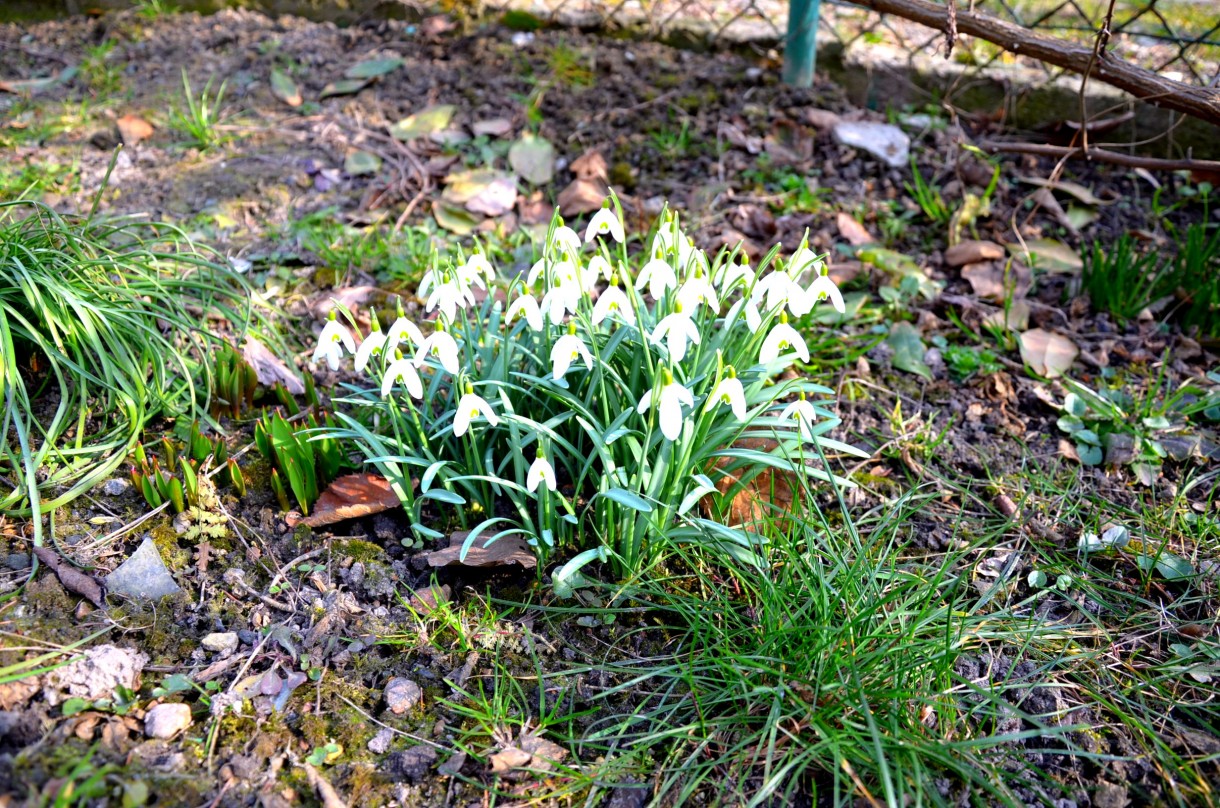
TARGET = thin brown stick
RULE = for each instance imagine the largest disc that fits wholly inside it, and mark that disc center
(1200, 102)
(1100, 156)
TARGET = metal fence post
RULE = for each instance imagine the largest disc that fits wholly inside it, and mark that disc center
(801, 47)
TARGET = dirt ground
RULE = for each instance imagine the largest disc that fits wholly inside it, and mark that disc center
(742, 157)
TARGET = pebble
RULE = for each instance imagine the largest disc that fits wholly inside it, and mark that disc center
(167, 720)
(402, 694)
(882, 140)
(247, 637)
(17, 561)
(220, 642)
(410, 765)
(381, 741)
(115, 487)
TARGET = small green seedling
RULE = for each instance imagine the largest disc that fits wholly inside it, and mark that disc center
(307, 464)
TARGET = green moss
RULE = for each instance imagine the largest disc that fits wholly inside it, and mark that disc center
(165, 538)
(622, 175)
(359, 550)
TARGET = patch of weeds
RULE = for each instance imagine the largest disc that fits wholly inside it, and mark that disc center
(1119, 278)
(568, 67)
(927, 195)
(966, 361)
(28, 181)
(799, 191)
(1195, 275)
(104, 77)
(198, 117)
(155, 9)
(672, 142)
(403, 256)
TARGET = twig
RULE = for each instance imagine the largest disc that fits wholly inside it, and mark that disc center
(1100, 156)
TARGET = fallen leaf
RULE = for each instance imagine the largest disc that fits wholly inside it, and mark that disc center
(973, 252)
(508, 759)
(853, 231)
(530, 751)
(1049, 354)
(352, 496)
(502, 552)
(533, 158)
(1073, 189)
(269, 368)
(909, 349)
(482, 190)
(358, 163)
(591, 166)
(752, 144)
(534, 209)
(32, 86)
(343, 87)
(582, 196)
(1050, 255)
(373, 68)
(455, 218)
(423, 123)
(1014, 318)
(73, 579)
(285, 89)
(450, 136)
(821, 118)
(493, 127)
(349, 297)
(133, 129)
(991, 279)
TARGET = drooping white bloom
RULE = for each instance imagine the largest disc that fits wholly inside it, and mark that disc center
(732, 274)
(752, 316)
(822, 288)
(441, 345)
(560, 300)
(729, 391)
(803, 260)
(659, 276)
(469, 407)
(605, 222)
(537, 271)
(402, 369)
(669, 236)
(371, 345)
(676, 330)
(597, 266)
(801, 410)
(566, 350)
(564, 241)
(403, 327)
(671, 397)
(698, 290)
(450, 295)
(613, 301)
(477, 271)
(779, 290)
(332, 341)
(540, 471)
(528, 306)
(782, 337)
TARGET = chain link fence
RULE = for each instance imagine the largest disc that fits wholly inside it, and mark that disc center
(1179, 39)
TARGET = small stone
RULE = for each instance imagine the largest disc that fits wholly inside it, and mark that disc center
(889, 143)
(411, 765)
(115, 487)
(381, 741)
(402, 694)
(167, 720)
(17, 561)
(247, 637)
(220, 642)
(973, 252)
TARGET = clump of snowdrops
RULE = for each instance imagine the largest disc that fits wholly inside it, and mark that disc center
(595, 411)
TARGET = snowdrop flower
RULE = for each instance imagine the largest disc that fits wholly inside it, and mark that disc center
(780, 290)
(597, 266)
(698, 289)
(334, 338)
(560, 300)
(441, 345)
(469, 407)
(729, 391)
(752, 316)
(676, 330)
(538, 270)
(449, 296)
(801, 410)
(403, 327)
(729, 275)
(402, 369)
(564, 241)
(822, 288)
(541, 471)
(669, 235)
(371, 345)
(659, 276)
(604, 222)
(613, 301)
(803, 260)
(783, 337)
(527, 306)
(671, 396)
(568, 349)
(477, 270)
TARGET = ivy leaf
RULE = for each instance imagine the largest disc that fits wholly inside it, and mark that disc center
(908, 349)
(285, 89)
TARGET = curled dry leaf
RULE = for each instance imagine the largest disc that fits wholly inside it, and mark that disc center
(73, 579)
(483, 190)
(268, 367)
(582, 196)
(1049, 354)
(133, 129)
(973, 252)
(591, 166)
(999, 280)
(502, 552)
(351, 497)
(853, 232)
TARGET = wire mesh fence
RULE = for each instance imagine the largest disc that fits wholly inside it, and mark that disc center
(1179, 39)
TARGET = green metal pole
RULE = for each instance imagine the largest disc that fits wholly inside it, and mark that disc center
(801, 47)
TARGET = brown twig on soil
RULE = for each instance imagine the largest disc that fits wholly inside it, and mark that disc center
(73, 579)
(1200, 102)
(1100, 156)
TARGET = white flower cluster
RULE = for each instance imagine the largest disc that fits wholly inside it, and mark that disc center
(561, 301)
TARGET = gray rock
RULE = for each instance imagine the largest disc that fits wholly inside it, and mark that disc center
(17, 561)
(95, 675)
(628, 797)
(115, 487)
(143, 575)
(402, 694)
(381, 741)
(167, 720)
(411, 765)
(888, 143)
(248, 637)
(220, 642)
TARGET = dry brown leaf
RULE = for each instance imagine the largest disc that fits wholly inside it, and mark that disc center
(733, 133)
(1049, 354)
(582, 196)
(534, 209)
(504, 551)
(268, 367)
(482, 190)
(493, 127)
(766, 494)
(973, 252)
(853, 232)
(991, 281)
(133, 129)
(73, 579)
(530, 751)
(821, 118)
(349, 297)
(508, 759)
(1014, 318)
(591, 166)
(753, 220)
(351, 497)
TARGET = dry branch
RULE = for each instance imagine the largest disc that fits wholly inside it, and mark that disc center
(1200, 102)
(1100, 156)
